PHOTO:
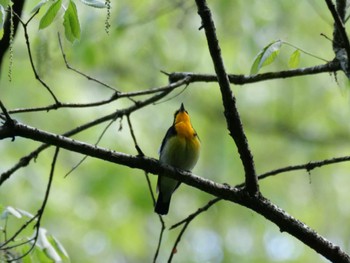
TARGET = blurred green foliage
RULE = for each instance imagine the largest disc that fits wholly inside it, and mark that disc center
(104, 211)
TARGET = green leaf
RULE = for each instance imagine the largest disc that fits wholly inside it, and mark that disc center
(2, 18)
(38, 6)
(266, 56)
(294, 59)
(94, 3)
(50, 14)
(59, 247)
(255, 67)
(71, 22)
(44, 243)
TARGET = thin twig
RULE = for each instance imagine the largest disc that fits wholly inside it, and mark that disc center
(306, 166)
(78, 71)
(304, 51)
(177, 241)
(166, 89)
(149, 185)
(65, 105)
(198, 212)
(26, 36)
(42, 208)
(3, 245)
(24, 161)
(160, 239)
(140, 153)
(329, 67)
(186, 223)
(137, 147)
(86, 156)
(48, 188)
(6, 114)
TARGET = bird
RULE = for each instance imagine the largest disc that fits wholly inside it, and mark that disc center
(180, 148)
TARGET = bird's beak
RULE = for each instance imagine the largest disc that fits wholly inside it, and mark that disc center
(182, 108)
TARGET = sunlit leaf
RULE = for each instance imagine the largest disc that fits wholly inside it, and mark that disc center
(294, 59)
(94, 3)
(59, 246)
(266, 56)
(10, 211)
(255, 67)
(50, 14)
(271, 53)
(25, 213)
(38, 255)
(44, 243)
(71, 23)
(39, 5)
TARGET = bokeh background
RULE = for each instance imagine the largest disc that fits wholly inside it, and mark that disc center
(103, 211)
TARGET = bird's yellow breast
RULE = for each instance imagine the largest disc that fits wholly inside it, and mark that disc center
(182, 149)
(183, 126)
(185, 130)
(181, 152)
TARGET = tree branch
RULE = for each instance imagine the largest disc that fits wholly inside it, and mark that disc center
(117, 95)
(233, 120)
(236, 79)
(24, 161)
(341, 43)
(68, 66)
(26, 36)
(257, 203)
(306, 166)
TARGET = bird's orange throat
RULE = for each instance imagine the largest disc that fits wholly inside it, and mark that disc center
(183, 125)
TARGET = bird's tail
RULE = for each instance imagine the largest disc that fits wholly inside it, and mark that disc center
(162, 205)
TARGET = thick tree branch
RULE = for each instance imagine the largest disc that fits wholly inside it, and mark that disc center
(255, 202)
(231, 112)
(341, 43)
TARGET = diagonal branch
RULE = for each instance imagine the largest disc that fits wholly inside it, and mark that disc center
(257, 203)
(231, 112)
(29, 50)
(341, 43)
(24, 161)
(78, 71)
